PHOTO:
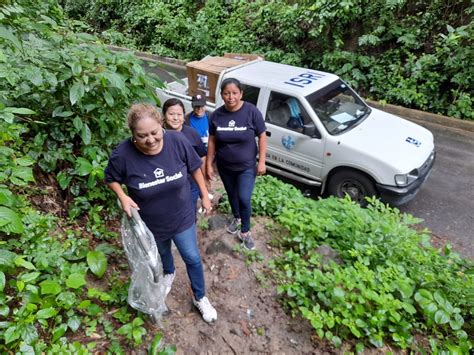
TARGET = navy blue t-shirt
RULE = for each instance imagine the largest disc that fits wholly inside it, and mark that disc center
(235, 132)
(158, 183)
(193, 137)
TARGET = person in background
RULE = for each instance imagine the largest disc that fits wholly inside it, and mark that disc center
(154, 165)
(173, 112)
(232, 131)
(199, 117)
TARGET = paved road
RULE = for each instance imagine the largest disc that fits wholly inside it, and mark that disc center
(446, 200)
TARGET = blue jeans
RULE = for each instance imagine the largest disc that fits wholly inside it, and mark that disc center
(186, 243)
(239, 187)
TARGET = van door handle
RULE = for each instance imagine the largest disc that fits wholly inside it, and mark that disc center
(268, 133)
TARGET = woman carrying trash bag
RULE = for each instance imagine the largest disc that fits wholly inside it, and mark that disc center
(154, 164)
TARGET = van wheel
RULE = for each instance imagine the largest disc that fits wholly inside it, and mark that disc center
(357, 185)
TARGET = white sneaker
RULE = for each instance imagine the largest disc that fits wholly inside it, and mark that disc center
(168, 282)
(209, 313)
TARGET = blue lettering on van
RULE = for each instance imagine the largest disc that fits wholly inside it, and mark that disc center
(304, 79)
(413, 141)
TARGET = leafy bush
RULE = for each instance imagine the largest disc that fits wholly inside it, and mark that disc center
(384, 283)
(78, 88)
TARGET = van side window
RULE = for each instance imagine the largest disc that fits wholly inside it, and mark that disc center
(250, 93)
(286, 111)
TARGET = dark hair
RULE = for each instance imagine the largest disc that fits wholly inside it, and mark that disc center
(172, 102)
(139, 111)
(229, 81)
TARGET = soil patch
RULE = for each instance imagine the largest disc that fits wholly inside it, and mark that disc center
(250, 319)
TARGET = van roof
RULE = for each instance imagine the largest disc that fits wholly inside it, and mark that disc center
(282, 77)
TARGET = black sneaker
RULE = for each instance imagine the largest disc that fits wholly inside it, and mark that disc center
(247, 240)
(234, 226)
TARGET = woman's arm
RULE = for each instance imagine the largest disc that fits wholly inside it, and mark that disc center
(211, 151)
(124, 199)
(262, 151)
(199, 178)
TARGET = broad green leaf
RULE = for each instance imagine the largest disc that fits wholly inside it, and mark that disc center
(456, 322)
(20, 285)
(19, 261)
(405, 289)
(76, 68)
(6, 197)
(115, 80)
(59, 331)
(4, 310)
(77, 122)
(109, 99)
(83, 166)
(63, 180)
(11, 334)
(74, 322)
(97, 262)
(75, 280)
(31, 276)
(21, 175)
(25, 161)
(86, 37)
(46, 313)
(50, 287)
(86, 134)
(29, 334)
(10, 221)
(2, 281)
(339, 292)
(76, 92)
(20, 111)
(9, 36)
(409, 308)
(155, 345)
(441, 317)
(7, 258)
(63, 114)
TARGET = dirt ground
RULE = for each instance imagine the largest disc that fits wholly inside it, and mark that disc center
(250, 319)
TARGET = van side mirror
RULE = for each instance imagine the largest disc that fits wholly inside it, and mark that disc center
(310, 130)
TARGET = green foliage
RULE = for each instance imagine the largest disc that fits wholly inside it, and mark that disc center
(384, 283)
(79, 90)
(414, 53)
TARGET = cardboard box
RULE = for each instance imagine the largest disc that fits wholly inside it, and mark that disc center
(204, 74)
(243, 56)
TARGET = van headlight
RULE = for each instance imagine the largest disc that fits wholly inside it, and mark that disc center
(406, 179)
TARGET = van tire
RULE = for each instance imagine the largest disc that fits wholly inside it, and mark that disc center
(353, 183)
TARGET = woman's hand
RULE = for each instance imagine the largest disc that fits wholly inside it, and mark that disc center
(261, 168)
(210, 175)
(206, 204)
(127, 203)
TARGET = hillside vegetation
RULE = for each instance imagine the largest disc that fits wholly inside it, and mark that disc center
(63, 274)
(418, 54)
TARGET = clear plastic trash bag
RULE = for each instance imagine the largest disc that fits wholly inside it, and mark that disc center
(147, 291)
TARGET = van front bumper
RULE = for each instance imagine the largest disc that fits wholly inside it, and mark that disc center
(396, 195)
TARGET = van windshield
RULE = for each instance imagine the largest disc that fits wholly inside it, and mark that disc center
(338, 107)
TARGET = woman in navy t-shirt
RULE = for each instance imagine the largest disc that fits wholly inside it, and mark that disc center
(173, 112)
(232, 131)
(154, 165)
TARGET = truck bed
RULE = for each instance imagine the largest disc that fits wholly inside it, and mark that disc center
(179, 90)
